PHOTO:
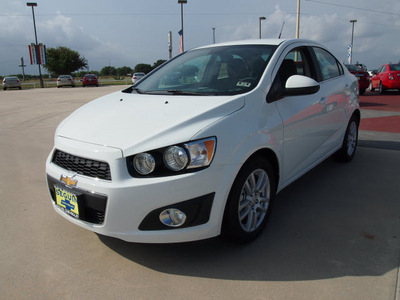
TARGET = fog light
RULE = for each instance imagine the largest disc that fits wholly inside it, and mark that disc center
(172, 217)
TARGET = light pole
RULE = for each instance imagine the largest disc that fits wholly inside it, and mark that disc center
(213, 34)
(352, 37)
(181, 2)
(33, 4)
(259, 30)
(298, 20)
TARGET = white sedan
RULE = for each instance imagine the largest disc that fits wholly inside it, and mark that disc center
(201, 146)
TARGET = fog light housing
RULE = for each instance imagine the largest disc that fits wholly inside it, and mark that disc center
(172, 217)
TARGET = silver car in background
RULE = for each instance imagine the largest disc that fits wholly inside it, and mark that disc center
(137, 76)
(11, 82)
(65, 80)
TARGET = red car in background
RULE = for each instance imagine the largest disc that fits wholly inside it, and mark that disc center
(90, 79)
(386, 77)
(362, 76)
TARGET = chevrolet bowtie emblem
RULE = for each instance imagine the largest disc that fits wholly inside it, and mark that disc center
(69, 181)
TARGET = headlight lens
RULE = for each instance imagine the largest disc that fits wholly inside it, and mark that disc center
(176, 158)
(144, 163)
(201, 152)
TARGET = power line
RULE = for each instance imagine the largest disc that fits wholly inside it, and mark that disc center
(353, 7)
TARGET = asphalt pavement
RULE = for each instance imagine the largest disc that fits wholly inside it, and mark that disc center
(333, 234)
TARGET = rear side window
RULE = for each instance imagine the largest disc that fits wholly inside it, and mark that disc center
(394, 67)
(329, 66)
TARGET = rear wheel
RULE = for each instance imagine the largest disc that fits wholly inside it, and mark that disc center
(250, 200)
(349, 146)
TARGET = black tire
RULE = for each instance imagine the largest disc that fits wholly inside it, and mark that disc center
(381, 89)
(250, 201)
(371, 88)
(349, 146)
(362, 91)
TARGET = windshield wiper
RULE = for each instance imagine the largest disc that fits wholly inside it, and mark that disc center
(180, 92)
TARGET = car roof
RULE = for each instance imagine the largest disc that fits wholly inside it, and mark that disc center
(273, 42)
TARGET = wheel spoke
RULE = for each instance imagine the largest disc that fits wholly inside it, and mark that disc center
(261, 182)
(245, 202)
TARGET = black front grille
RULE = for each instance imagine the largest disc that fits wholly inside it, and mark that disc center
(82, 166)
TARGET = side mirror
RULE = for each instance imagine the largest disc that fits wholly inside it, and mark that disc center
(298, 85)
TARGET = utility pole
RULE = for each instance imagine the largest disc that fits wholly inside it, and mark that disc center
(181, 2)
(33, 4)
(259, 27)
(170, 44)
(298, 20)
(23, 70)
(352, 37)
(213, 34)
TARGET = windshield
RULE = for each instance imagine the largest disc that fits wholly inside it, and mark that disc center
(225, 70)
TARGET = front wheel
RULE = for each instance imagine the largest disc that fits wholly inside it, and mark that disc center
(250, 200)
(349, 146)
(370, 87)
(381, 89)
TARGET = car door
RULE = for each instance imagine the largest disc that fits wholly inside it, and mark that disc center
(377, 78)
(309, 121)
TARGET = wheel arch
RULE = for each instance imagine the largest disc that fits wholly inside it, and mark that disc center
(357, 114)
(270, 155)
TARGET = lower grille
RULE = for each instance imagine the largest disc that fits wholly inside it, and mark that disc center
(92, 206)
(82, 166)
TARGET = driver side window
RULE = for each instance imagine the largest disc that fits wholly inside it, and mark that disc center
(296, 62)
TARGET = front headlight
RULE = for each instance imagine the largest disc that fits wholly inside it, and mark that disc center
(144, 163)
(174, 159)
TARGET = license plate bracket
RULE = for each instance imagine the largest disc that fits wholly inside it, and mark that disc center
(67, 201)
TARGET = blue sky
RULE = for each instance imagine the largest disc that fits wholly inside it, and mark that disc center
(127, 32)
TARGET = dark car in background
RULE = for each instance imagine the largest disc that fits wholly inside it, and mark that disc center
(11, 82)
(386, 77)
(90, 79)
(362, 76)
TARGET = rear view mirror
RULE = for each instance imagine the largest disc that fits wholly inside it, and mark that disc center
(301, 85)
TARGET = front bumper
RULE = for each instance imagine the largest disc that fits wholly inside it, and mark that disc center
(128, 208)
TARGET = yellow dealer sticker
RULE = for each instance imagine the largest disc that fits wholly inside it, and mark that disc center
(67, 201)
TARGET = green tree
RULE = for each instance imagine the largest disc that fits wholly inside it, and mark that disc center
(123, 71)
(145, 68)
(158, 63)
(108, 71)
(62, 60)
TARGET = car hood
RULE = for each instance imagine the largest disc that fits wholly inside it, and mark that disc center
(136, 123)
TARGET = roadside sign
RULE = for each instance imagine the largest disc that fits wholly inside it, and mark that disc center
(37, 54)
(42, 54)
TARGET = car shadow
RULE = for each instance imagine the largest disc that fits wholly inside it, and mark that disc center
(370, 104)
(337, 220)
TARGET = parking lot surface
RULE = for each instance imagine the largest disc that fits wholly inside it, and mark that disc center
(333, 234)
